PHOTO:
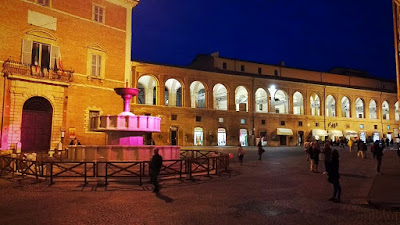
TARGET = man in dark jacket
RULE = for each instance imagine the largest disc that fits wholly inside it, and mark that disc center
(378, 151)
(155, 167)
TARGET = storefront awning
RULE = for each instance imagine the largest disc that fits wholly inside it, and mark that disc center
(319, 132)
(284, 131)
(350, 133)
(336, 133)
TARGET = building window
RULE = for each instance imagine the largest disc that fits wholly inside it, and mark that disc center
(375, 127)
(224, 65)
(300, 123)
(317, 124)
(198, 118)
(147, 114)
(276, 72)
(361, 126)
(98, 14)
(242, 68)
(43, 2)
(242, 121)
(96, 66)
(263, 122)
(93, 118)
(221, 120)
(174, 117)
(388, 127)
(96, 62)
(283, 123)
(259, 70)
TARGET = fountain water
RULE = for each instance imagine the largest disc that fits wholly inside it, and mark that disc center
(125, 136)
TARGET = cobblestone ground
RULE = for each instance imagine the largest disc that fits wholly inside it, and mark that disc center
(278, 190)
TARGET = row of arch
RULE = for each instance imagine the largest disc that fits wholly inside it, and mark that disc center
(278, 102)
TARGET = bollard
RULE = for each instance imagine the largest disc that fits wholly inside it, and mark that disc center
(101, 172)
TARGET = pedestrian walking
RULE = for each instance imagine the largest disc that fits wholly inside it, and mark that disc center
(351, 145)
(378, 150)
(328, 157)
(334, 176)
(241, 153)
(315, 156)
(361, 150)
(372, 148)
(155, 167)
(260, 150)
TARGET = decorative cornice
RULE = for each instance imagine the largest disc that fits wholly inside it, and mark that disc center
(125, 3)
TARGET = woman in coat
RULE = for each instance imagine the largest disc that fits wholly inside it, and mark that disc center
(334, 176)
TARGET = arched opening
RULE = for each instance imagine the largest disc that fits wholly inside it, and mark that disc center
(173, 93)
(241, 99)
(148, 91)
(330, 106)
(315, 104)
(221, 136)
(37, 114)
(385, 110)
(298, 106)
(281, 102)
(197, 95)
(372, 110)
(345, 103)
(396, 111)
(220, 95)
(261, 101)
(360, 109)
(198, 136)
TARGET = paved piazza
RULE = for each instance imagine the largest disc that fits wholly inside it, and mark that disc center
(278, 190)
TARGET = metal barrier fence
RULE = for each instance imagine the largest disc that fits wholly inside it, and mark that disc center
(192, 163)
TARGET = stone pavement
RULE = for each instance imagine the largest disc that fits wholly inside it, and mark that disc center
(385, 190)
(277, 190)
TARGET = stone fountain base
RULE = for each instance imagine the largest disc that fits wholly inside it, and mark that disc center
(120, 152)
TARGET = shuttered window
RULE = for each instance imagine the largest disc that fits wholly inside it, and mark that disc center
(39, 54)
(96, 66)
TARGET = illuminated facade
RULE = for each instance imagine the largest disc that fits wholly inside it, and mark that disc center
(222, 101)
(59, 62)
(396, 29)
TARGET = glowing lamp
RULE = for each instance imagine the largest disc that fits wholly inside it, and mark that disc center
(230, 155)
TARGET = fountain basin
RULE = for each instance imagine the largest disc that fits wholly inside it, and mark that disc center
(121, 152)
(137, 123)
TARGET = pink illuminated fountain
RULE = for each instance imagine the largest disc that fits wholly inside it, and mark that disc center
(124, 136)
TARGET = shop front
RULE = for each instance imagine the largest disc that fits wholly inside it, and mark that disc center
(350, 134)
(221, 137)
(198, 136)
(283, 133)
(319, 134)
(243, 137)
(334, 134)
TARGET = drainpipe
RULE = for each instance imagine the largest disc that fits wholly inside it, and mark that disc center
(2, 111)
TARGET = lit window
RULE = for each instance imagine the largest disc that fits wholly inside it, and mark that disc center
(221, 120)
(96, 66)
(93, 115)
(98, 14)
(388, 127)
(362, 126)
(242, 121)
(43, 2)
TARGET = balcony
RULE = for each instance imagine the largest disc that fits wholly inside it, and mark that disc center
(17, 68)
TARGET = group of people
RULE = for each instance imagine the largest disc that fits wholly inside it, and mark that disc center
(241, 152)
(331, 161)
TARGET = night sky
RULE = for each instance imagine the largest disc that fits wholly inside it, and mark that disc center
(308, 34)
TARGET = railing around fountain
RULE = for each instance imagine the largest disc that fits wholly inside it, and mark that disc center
(192, 164)
(126, 123)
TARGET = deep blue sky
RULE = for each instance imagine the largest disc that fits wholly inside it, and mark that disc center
(308, 34)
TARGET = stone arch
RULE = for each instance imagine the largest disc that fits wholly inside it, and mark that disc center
(147, 85)
(298, 103)
(385, 110)
(330, 106)
(241, 99)
(220, 96)
(197, 95)
(315, 104)
(173, 93)
(281, 102)
(372, 109)
(360, 108)
(346, 107)
(261, 100)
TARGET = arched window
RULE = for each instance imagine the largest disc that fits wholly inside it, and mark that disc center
(372, 109)
(330, 106)
(241, 99)
(220, 95)
(281, 102)
(385, 110)
(197, 95)
(148, 90)
(315, 105)
(360, 108)
(173, 93)
(345, 103)
(261, 100)
(396, 111)
(298, 106)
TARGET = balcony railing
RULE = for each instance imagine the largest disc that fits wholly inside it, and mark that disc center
(17, 68)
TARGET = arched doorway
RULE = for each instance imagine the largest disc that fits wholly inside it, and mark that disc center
(37, 116)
